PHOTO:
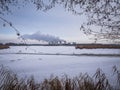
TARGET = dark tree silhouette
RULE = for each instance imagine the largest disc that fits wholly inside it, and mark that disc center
(104, 14)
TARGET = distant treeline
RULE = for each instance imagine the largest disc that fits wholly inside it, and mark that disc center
(77, 46)
(94, 46)
(4, 46)
(49, 44)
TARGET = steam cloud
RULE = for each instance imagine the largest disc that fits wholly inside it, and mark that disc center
(42, 37)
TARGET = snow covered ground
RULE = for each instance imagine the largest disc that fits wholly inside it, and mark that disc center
(42, 66)
(57, 49)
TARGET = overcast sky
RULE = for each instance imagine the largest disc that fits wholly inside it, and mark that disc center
(57, 22)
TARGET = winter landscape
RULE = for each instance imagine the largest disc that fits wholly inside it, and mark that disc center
(59, 44)
(35, 61)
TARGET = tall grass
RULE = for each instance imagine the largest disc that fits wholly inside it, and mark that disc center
(10, 81)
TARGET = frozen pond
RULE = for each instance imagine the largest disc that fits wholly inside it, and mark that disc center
(42, 66)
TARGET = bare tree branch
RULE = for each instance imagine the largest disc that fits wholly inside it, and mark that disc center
(102, 13)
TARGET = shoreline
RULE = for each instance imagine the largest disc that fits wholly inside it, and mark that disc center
(97, 46)
(61, 54)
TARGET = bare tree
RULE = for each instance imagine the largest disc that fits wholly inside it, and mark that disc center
(104, 14)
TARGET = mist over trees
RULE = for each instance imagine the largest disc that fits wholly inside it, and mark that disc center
(104, 14)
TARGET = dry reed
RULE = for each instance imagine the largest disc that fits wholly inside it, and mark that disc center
(10, 81)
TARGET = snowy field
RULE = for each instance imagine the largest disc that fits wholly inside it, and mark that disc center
(42, 66)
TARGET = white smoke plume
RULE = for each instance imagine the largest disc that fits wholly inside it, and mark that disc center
(42, 37)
